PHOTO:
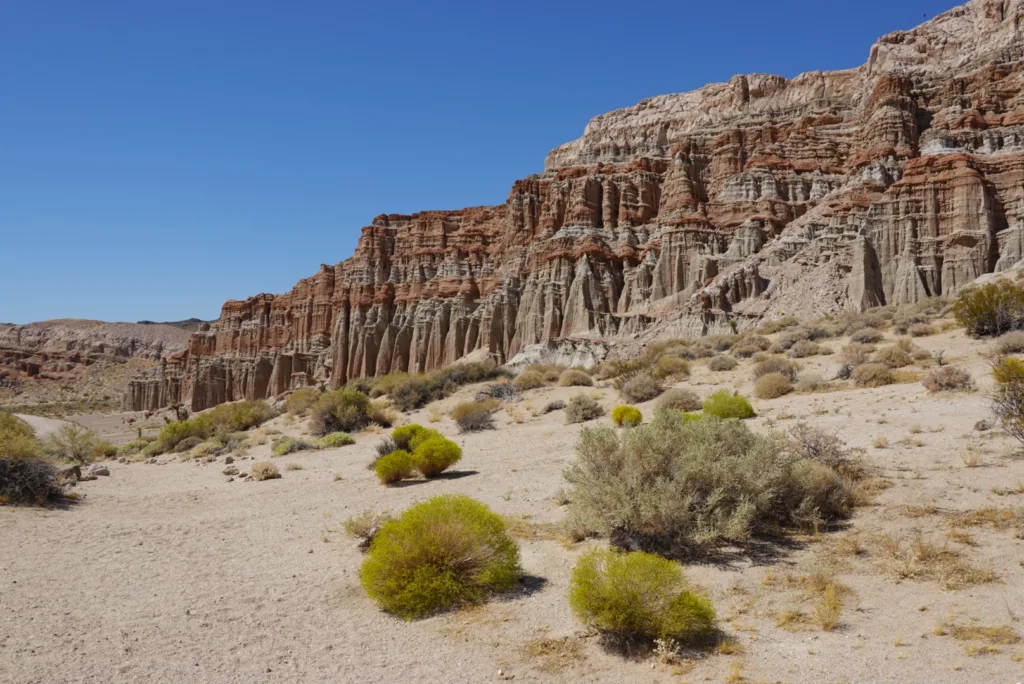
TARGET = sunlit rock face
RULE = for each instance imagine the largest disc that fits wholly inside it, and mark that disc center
(682, 215)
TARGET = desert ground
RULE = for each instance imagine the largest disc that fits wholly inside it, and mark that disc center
(175, 572)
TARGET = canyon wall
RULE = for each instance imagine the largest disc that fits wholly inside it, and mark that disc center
(682, 215)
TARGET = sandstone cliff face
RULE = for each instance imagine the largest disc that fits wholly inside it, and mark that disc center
(685, 214)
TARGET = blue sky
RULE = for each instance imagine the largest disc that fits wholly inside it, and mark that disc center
(159, 158)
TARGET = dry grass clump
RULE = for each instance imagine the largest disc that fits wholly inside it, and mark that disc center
(921, 330)
(854, 354)
(989, 516)
(772, 385)
(264, 470)
(678, 487)
(893, 357)
(628, 416)
(1008, 396)
(991, 309)
(551, 372)
(772, 327)
(473, 416)
(670, 367)
(776, 364)
(554, 654)
(873, 375)
(528, 380)
(814, 444)
(556, 405)
(1010, 343)
(641, 387)
(575, 378)
(916, 559)
(1004, 635)
(630, 596)
(365, 525)
(412, 391)
(678, 399)
(811, 382)
(301, 400)
(722, 363)
(804, 348)
(948, 379)
(867, 336)
(582, 408)
(444, 552)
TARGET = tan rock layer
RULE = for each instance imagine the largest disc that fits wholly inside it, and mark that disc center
(689, 213)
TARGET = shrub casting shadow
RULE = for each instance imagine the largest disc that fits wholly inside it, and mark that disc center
(447, 475)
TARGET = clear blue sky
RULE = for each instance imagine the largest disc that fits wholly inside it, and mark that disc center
(161, 157)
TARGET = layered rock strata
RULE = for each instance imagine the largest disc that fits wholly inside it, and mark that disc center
(885, 184)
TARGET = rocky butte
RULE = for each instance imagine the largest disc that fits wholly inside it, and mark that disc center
(685, 214)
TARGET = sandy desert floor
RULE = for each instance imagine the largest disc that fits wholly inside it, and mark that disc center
(171, 573)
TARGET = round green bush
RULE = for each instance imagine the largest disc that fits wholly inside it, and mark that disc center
(435, 455)
(398, 465)
(409, 437)
(629, 416)
(724, 404)
(444, 552)
(629, 595)
(335, 440)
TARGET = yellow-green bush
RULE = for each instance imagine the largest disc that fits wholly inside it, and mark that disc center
(1008, 396)
(991, 309)
(629, 416)
(220, 420)
(445, 552)
(409, 437)
(724, 404)
(398, 465)
(772, 385)
(345, 410)
(630, 595)
(301, 400)
(26, 475)
(289, 445)
(575, 378)
(412, 391)
(334, 440)
(435, 455)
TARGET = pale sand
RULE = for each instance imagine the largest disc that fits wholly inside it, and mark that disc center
(171, 574)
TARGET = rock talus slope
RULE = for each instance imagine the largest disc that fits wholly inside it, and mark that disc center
(682, 215)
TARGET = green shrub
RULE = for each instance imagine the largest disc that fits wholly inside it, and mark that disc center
(445, 552)
(528, 380)
(301, 400)
(776, 364)
(723, 404)
(133, 447)
(676, 486)
(722, 363)
(71, 443)
(220, 420)
(345, 410)
(210, 448)
(772, 385)
(435, 455)
(186, 444)
(872, 375)
(641, 387)
(409, 437)
(1008, 397)
(670, 367)
(678, 399)
(472, 416)
(264, 470)
(26, 475)
(410, 392)
(575, 378)
(103, 450)
(582, 408)
(289, 445)
(334, 440)
(991, 309)
(638, 595)
(154, 448)
(398, 465)
(893, 357)
(628, 416)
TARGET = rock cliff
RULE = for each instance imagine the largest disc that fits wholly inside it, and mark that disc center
(684, 214)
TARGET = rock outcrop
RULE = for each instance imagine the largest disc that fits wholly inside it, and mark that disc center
(685, 214)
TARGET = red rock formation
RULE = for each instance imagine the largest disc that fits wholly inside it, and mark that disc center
(885, 184)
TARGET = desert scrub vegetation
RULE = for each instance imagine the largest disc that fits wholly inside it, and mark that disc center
(1010, 343)
(219, 421)
(636, 596)
(776, 364)
(670, 367)
(948, 379)
(1008, 396)
(27, 476)
(345, 410)
(333, 440)
(991, 309)
(529, 379)
(867, 336)
(640, 387)
(409, 392)
(872, 375)
(264, 470)
(721, 362)
(582, 408)
(290, 445)
(472, 416)
(72, 443)
(678, 399)
(772, 385)
(364, 526)
(679, 487)
(412, 449)
(301, 400)
(439, 554)
(855, 353)
(893, 357)
(394, 467)
(724, 404)
(627, 416)
(575, 378)
(805, 348)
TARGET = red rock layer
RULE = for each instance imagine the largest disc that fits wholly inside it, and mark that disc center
(884, 184)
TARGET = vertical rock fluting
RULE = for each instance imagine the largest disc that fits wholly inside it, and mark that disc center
(683, 215)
